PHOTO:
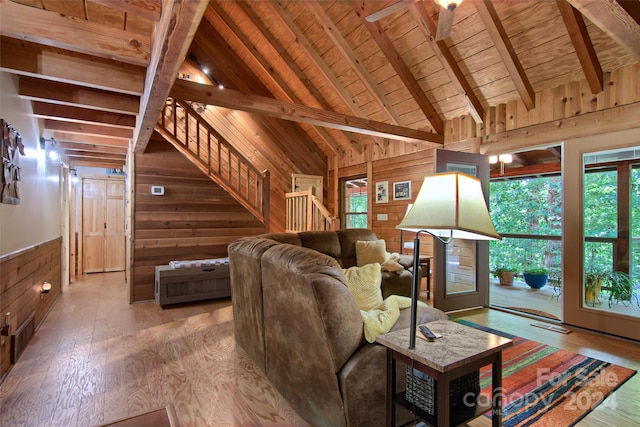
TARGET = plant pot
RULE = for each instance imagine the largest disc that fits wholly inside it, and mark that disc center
(592, 295)
(506, 278)
(536, 281)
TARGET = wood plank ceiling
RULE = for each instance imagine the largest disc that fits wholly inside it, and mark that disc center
(98, 71)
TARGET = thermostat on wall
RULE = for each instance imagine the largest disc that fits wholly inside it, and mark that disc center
(157, 190)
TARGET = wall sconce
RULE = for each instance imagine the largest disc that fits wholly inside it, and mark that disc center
(46, 287)
(74, 177)
(503, 159)
(49, 146)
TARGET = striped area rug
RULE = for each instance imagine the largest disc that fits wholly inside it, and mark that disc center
(547, 386)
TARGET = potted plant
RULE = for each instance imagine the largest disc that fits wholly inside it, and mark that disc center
(505, 275)
(619, 287)
(592, 286)
(536, 277)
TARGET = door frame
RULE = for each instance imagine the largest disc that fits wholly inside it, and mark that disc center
(80, 199)
(574, 311)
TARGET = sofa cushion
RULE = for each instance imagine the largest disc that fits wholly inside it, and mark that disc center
(369, 252)
(348, 238)
(290, 238)
(325, 242)
(364, 284)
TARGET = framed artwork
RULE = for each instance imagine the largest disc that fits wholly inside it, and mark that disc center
(382, 192)
(402, 190)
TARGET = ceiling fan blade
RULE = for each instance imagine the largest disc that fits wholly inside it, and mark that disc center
(384, 12)
(445, 21)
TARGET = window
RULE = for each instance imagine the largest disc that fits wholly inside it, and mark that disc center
(355, 197)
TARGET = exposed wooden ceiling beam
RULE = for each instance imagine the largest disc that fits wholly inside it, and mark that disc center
(304, 82)
(614, 20)
(521, 158)
(442, 52)
(149, 9)
(530, 170)
(33, 60)
(321, 65)
(352, 58)
(46, 110)
(404, 73)
(556, 151)
(71, 147)
(91, 139)
(81, 128)
(54, 29)
(95, 163)
(211, 95)
(499, 36)
(216, 13)
(581, 41)
(78, 96)
(172, 37)
(93, 155)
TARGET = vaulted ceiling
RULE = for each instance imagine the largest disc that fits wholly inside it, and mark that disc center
(98, 71)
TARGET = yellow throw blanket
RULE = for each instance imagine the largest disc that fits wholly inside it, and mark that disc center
(380, 320)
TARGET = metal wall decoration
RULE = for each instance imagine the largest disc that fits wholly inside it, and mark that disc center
(12, 148)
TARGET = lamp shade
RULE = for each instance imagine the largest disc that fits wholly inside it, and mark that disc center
(451, 204)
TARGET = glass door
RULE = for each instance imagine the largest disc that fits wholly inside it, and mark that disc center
(601, 278)
(462, 266)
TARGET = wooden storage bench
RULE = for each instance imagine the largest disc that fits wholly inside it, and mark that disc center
(178, 285)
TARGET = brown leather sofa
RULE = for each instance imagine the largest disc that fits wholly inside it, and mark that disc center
(296, 319)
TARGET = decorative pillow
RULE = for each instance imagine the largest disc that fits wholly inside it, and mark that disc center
(392, 266)
(369, 252)
(364, 284)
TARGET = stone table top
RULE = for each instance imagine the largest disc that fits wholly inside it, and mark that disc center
(458, 345)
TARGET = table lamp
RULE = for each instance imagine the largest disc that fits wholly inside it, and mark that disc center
(450, 205)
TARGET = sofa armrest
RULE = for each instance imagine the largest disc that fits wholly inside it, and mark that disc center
(406, 261)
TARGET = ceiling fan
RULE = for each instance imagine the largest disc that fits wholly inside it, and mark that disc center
(445, 16)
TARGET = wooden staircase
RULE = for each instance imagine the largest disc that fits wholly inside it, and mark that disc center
(194, 137)
(306, 213)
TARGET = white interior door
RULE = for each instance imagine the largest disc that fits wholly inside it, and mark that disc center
(304, 182)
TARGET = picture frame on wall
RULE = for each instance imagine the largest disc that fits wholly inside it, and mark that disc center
(382, 192)
(402, 190)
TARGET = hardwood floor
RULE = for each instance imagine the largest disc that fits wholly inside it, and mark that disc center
(97, 358)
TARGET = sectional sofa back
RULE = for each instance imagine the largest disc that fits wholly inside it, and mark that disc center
(312, 326)
(245, 270)
(340, 245)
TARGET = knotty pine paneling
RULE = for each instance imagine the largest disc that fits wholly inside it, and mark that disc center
(21, 277)
(572, 100)
(195, 219)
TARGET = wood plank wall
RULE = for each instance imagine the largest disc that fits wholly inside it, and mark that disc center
(621, 87)
(398, 161)
(195, 219)
(21, 277)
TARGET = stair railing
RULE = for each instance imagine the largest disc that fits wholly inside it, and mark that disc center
(305, 212)
(193, 136)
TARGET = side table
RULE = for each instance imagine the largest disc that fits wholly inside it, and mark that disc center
(459, 351)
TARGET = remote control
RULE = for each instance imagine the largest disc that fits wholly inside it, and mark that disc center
(427, 333)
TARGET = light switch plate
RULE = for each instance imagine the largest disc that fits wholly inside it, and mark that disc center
(157, 190)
